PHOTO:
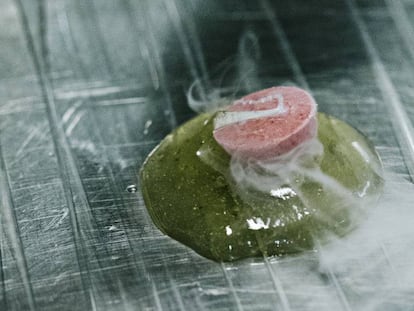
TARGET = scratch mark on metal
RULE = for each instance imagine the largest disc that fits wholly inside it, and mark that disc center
(285, 45)
(143, 47)
(95, 92)
(70, 111)
(164, 84)
(402, 21)
(74, 122)
(44, 49)
(67, 167)
(21, 104)
(9, 221)
(156, 296)
(63, 24)
(177, 294)
(123, 296)
(198, 51)
(231, 286)
(177, 23)
(334, 280)
(93, 301)
(28, 139)
(339, 290)
(153, 44)
(88, 94)
(118, 190)
(399, 118)
(153, 71)
(2, 279)
(98, 34)
(277, 285)
(101, 38)
(123, 101)
(65, 214)
(59, 278)
(34, 219)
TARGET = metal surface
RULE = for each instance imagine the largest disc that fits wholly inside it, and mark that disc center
(88, 88)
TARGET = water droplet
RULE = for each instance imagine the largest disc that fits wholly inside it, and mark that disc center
(132, 188)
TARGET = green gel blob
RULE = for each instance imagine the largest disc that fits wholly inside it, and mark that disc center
(193, 200)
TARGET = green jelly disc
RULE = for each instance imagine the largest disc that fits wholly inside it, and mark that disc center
(192, 195)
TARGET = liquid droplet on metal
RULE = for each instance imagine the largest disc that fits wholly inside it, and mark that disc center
(132, 188)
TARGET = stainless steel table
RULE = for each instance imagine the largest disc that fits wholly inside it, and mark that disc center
(89, 87)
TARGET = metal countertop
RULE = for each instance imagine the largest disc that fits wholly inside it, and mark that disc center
(89, 87)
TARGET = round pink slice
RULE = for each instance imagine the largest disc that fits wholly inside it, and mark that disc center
(267, 123)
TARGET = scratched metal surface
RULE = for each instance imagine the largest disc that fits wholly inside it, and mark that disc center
(88, 88)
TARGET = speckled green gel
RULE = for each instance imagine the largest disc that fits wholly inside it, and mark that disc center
(196, 204)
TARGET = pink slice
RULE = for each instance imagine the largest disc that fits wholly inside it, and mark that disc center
(267, 123)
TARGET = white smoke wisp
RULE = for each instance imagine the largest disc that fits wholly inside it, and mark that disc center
(267, 175)
(288, 175)
(230, 80)
(369, 269)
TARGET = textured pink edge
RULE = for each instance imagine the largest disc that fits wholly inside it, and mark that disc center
(306, 131)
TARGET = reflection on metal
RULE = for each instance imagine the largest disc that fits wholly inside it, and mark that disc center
(127, 62)
(398, 115)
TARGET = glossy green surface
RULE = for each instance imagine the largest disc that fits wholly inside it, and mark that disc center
(190, 195)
